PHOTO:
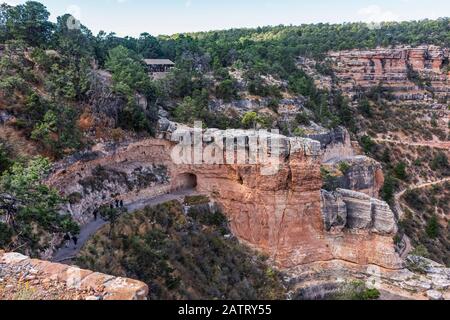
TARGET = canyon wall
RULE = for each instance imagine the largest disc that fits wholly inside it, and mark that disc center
(352, 171)
(22, 278)
(357, 173)
(429, 281)
(410, 74)
(335, 143)
(279, 214)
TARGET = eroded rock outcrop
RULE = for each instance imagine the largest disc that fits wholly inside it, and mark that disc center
(278, 214)
(30, 279)
(336, 144)
(358, 173)
(357, 211)
(423, 279)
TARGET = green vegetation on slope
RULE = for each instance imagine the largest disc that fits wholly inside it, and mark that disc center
(29, 210)
(425, 225)
(129, 78)
(255, 52)
(182, 256)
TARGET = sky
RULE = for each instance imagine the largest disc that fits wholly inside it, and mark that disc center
(133, 17)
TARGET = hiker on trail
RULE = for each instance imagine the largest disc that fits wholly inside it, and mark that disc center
(121, 203)
(75, 240)
(95, 214)
(117, 203)
(66, 239)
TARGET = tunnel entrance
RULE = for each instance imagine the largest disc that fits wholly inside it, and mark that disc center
(185, 181)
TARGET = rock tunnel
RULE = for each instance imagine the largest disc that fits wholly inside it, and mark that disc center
(185, 181)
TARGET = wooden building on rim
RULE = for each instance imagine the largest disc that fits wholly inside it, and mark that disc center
(159, 65)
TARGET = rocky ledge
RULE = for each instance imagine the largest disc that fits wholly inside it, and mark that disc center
(421, 279)
(22, 278)
(409, 74)
(355, 210)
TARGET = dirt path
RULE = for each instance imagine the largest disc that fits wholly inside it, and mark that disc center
(444, 145)
(70, 251)
(408, 247)
(415, 187)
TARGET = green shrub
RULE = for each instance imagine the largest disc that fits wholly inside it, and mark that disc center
(421, 251)
(5, 156)
(414, 200)
(299, 132)
(5, 235)
(133, 118)
(368, 144)
(356, 290)
(226, 90)
(330, 182)
(344, 167)
(440, 162)
(388, 189)
(371, 294)
(196, 200)
(207, 217)
(433, 227)
(303, 119)
(300, 83)
(400, 171)
(250, 120)
(12, 83)
(31, 209)
(365, 108)
(258, 87)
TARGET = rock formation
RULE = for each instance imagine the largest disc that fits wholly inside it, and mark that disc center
(336, 144)
(411, 74)
(358, 173)
(357, 211)
(30, 279)
(361, 173)
(286, 106)
(422, 280)
(278, 214)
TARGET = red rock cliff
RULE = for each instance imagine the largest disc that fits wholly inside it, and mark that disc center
(278, 214)
(398, 70)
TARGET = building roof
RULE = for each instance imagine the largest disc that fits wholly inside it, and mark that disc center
(158, 62)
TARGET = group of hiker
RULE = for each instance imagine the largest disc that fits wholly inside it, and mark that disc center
(68, 237)
(115, 205)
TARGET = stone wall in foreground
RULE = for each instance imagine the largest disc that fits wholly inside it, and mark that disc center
(22, 278)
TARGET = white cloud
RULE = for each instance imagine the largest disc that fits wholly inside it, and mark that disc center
(375, 13)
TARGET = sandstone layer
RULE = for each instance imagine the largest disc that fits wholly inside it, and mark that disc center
(358, 173)
(278, 214)
(418, 74)
(357, 211)
(428, 280)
